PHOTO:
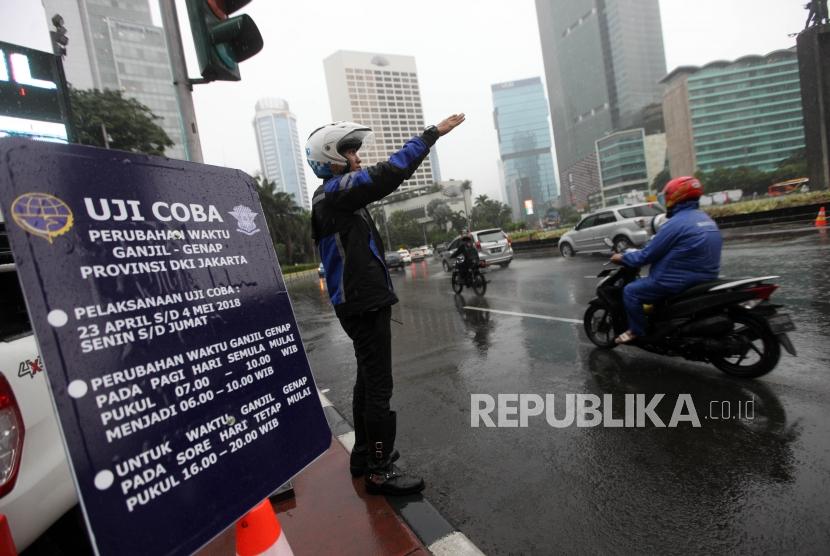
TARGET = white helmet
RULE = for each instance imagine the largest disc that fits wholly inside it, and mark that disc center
(325, 145)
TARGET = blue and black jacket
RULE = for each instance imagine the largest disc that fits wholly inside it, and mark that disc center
(685, 251)
(347, 239)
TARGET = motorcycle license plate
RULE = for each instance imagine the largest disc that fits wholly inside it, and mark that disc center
(781, 323)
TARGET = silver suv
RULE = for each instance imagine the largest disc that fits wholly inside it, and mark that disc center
(493, 246)
(625, 225)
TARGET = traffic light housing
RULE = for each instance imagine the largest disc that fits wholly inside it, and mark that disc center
(222, 41)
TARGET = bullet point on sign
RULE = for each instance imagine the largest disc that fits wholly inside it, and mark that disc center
(57, 318)
(104, 480)
(77, 389)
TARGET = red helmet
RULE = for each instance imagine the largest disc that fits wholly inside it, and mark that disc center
(680, 190)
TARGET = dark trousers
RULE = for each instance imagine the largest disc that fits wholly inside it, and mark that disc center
(371, 335)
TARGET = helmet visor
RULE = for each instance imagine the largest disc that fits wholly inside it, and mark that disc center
(355, 140)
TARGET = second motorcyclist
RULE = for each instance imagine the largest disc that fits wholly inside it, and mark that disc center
(471, 259)
(685, 251)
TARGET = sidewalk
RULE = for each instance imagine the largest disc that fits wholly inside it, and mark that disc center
(332, 514)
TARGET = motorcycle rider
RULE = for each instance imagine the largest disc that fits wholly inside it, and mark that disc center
(469, 252)
(358, 281)
(684, 252)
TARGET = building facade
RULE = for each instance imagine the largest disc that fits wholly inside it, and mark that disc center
(452, 192)
(581, 183)
(603, 60)
(380, 91)
(520, 114)
(726, 114)
(114, 45)
(278, 144)
(628, 162)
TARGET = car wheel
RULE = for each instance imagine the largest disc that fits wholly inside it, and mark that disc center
(621, 243)
(566, 250)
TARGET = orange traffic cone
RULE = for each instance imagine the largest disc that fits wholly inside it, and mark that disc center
(258, 533)
(821, 219)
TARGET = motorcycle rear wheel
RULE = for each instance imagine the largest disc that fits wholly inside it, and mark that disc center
(479, 284)
(457, 282)
(599, 326)
(762, 349)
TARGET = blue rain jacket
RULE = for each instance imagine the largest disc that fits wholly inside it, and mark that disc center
(684, 252)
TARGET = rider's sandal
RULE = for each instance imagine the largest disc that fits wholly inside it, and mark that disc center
(625, 338)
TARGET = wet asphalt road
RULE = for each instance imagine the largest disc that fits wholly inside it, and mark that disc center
(759, 485)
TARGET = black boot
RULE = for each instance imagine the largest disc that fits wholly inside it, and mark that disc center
(358, 459)
(360, 450)
(382, 477)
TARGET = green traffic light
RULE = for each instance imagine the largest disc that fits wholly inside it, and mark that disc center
(222, 42)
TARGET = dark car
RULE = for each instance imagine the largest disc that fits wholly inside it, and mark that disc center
(394, 260)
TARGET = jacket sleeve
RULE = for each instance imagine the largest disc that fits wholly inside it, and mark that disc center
(655, 249)
(455, 253)
(355, 190)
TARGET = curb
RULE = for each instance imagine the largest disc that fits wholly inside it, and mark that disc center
(417, 513)
(295, 276)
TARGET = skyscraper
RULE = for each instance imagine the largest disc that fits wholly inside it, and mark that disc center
(603, 60)
(280, 157)
(520, 113)
(746, 112)
(114, 45)
(380, 91)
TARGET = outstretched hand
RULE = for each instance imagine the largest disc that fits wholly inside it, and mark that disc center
(617, 258)
(450, 123)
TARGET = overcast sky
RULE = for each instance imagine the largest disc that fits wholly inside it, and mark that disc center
(461, 47)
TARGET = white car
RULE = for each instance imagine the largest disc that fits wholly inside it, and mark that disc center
(405, 256)
(36, 486)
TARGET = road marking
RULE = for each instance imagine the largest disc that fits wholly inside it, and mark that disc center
(529, 315)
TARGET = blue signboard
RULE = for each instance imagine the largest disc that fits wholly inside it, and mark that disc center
(178, 373)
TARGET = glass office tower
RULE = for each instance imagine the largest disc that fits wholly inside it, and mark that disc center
(520, 114)
(280, 157)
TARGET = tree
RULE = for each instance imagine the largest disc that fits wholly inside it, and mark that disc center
(290, 225)
(404, 230)
(128, 124)
(747, 179)
(794, 166)
(489, 213)
(440, 212)
(660, 180)
(459, 221)
(568, 215)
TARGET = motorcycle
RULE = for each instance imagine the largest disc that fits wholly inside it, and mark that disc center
(472, 279)
(731, 324)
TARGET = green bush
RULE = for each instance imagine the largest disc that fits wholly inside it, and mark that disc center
(299, 267)
(768, 203)
(535, 234)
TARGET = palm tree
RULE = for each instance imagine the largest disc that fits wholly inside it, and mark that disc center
(285, 220)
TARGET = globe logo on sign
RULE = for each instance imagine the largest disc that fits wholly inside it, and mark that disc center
(42, 215)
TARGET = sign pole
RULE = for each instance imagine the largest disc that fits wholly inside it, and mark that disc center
(184, 88)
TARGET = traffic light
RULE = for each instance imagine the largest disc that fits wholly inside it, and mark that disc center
(59, 38)
(222, 41)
